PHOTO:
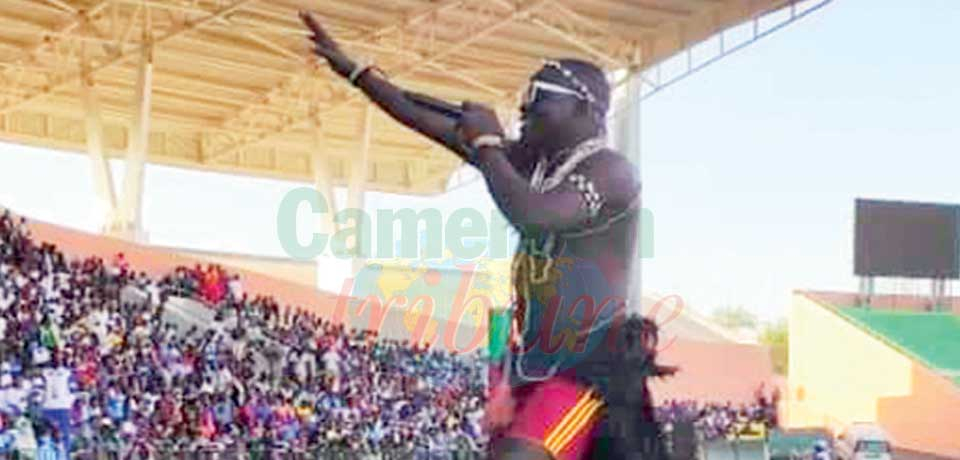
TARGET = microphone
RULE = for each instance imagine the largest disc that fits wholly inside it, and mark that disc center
(436, 105)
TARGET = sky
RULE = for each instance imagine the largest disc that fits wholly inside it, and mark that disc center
(750, 167)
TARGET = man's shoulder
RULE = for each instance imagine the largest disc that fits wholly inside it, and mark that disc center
(612, 164)
(614, 177)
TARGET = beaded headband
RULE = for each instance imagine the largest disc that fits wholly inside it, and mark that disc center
(580, 87)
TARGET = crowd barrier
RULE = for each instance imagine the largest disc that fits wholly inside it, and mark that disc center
(735, 450)
(691, 444)
(241, 453)
(679, 446)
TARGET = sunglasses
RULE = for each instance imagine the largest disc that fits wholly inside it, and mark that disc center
(541, 90)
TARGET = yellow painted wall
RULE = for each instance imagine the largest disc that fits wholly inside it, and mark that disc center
(455, 293)
(839, 369)
(841, 374)
(491, 284)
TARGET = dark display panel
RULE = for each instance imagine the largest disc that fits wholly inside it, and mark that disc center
(910, 240)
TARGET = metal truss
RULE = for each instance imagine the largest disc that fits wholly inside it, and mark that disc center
(68, 68)
(654, 81)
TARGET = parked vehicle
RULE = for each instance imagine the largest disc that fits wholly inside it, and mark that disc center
(863, 441)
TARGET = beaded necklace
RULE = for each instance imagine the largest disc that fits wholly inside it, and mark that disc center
(525, 263)
(541, 183)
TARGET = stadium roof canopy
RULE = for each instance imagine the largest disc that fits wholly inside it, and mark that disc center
(229, 85)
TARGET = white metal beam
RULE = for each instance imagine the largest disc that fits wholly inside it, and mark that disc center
(628, 144)
(409, 68)
(63, 6)
(322, 179)
(102, 175)
(130, 218)
(64, 81)
(603, 28)
(356, 188)
(615, 42)
(578, 42)
(656, 82)
(367, 39)
(30, 53)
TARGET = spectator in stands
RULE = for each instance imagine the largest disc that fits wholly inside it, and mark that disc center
(120, 265)
(235, 288)
(58, 399)
(48, 448)
(143, 383)
(716, 421)
(821, 450)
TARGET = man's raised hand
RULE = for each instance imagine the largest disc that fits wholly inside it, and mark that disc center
(325, 46)
(478, 120)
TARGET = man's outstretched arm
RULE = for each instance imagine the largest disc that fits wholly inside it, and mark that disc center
(598, 187)
(386, 95)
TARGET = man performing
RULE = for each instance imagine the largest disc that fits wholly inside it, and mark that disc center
(577, 379)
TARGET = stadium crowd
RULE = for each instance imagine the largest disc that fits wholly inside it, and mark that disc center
(93, 363)
(720, 421)
(90, 360)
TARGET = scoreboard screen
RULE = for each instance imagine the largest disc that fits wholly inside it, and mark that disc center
(907, 240)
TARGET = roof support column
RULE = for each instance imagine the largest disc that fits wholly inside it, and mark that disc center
(322, 180)
(128, 224)
(357, 185)
(628, 143)
(102, 175)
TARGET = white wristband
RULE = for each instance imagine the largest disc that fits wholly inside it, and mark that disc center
(357, 72)
(487, 140)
